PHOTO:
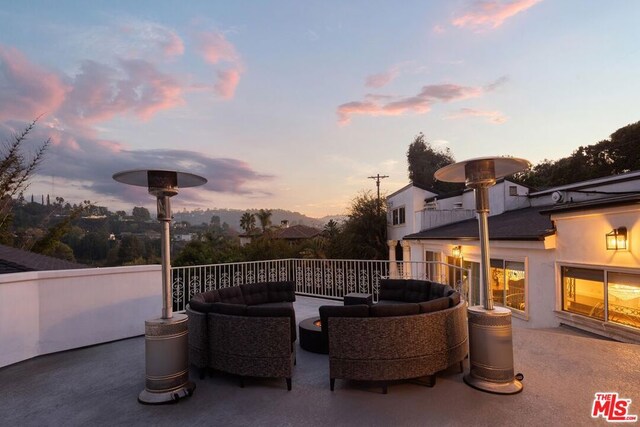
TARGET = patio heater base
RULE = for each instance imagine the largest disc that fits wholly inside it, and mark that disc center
(491, 351)
(167, 361)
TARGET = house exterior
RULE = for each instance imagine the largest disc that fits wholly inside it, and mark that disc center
(549, 258)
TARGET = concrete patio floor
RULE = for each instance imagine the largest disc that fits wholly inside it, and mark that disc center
(99, 385)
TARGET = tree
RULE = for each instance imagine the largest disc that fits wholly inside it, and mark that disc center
(364, 233)
(424, 160)
(248, 222)
(608, 157)
(264, 216)
(213, 248)
(141, 213)
(131, 250)
(93, 247)
(331, 229)
(15, 171)
(51, 242)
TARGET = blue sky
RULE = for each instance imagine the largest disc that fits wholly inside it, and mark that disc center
(293, 104)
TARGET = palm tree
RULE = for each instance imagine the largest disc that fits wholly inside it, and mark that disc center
(247, 222)
(264, 216)
(331, 229)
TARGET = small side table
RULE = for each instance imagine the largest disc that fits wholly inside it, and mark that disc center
(358, 298)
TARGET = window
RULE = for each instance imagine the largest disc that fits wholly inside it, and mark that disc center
(508, 283)
(513, 190)
(398, 216)
(474, 281)
(604, 295)
(433, 265)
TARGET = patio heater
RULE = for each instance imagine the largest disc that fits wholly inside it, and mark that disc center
(490, 335)
(166, 338)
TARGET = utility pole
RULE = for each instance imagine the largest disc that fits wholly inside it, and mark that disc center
(378, 177)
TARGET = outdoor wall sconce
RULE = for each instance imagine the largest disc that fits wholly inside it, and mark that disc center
(617, 239)
(457, 252)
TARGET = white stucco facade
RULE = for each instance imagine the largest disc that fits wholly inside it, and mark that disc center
(411, 198)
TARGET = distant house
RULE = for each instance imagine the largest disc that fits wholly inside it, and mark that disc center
(296, 233)
(564, 255)
(246, 238)
(13, 260)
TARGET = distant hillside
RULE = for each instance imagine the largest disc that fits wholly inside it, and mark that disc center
(232, 217)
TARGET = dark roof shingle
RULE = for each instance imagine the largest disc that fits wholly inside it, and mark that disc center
(521, 224)
(297, 232)
(14, 260)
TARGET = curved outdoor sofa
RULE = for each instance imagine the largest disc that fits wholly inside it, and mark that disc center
(247, 330)
(417, 329)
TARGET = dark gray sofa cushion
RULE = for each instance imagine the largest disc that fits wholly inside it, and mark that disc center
(388, 310)
(282, 291)
(255, 293)
(417, 290)
(230, 309)
(202, 302)
(434, 305)
(392, 289)
(388, 302)
(438, 290)
(454, 298)
(232, 295)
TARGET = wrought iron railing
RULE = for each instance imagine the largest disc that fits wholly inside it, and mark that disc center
(327, 278)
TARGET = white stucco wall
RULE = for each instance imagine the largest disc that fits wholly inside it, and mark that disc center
(412, 199)
(50, 311)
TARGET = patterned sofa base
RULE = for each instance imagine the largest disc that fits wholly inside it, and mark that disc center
(248, 330)
(418, 329)
(398, 347)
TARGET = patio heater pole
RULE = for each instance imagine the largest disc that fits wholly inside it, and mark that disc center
(166, 338)
(490, 335)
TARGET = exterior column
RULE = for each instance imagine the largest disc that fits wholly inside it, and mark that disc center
(406, 259)
(393, 266)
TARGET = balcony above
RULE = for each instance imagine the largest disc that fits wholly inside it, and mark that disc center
(436, 218)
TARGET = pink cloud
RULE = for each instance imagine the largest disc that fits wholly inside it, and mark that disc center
(227, 82)
(495, 117)
(419, 104)
(491, 14)
(216, 48)
(449, 92)
(27, 90)
(172, 45)
(381, 79)
(101, 92)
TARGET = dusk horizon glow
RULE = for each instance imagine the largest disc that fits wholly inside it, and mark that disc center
(292, 105)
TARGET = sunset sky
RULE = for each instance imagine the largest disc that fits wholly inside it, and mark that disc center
(293, 104)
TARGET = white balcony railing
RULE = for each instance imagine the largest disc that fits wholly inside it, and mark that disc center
(328, 278)
(436, 218)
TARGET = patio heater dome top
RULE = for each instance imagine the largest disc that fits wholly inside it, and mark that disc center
(481, 170)
(159, 178)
